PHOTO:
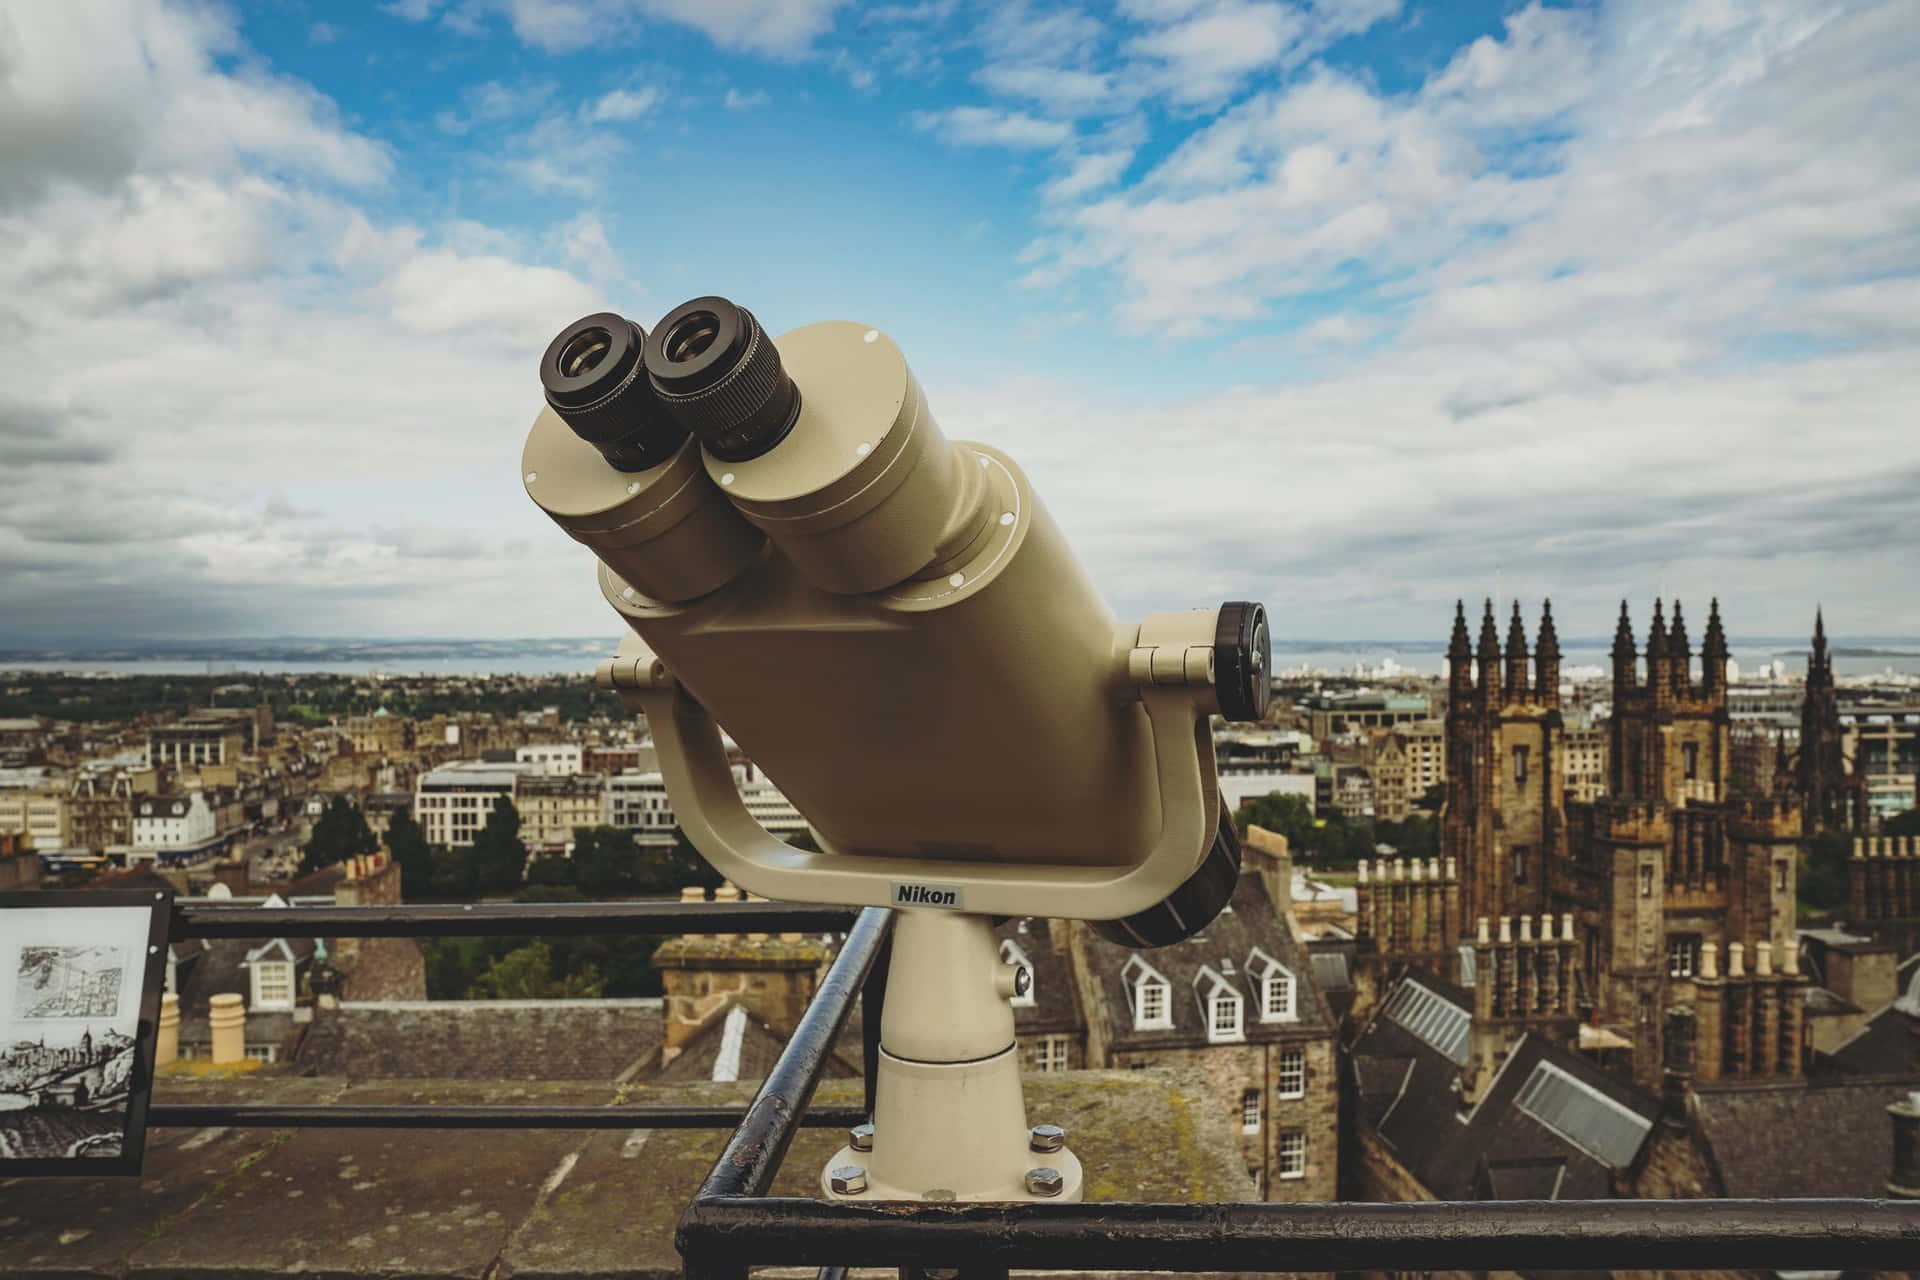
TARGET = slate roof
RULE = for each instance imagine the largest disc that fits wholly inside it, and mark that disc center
(1407, 1091)
(757, 1048)
(1887, 1045)
(1249, 921)
(1056, 999)
(485, 1039)
(1549, 1125)
(1797, 1138)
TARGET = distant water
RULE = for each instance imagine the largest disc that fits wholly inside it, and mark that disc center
(578, 657)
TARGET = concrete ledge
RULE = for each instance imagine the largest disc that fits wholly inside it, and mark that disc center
(566, 1204)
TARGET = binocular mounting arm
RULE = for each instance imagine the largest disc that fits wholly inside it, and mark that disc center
(1164, 665)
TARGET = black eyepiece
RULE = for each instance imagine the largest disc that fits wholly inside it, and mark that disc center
(596, 381)
(716, 370)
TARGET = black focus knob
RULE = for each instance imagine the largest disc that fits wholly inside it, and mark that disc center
(595, 379)
(717, 372)
(1243, 660)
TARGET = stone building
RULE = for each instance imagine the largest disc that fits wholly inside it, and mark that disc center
(1239, 1002)
(1819, 772)
(1883, 882)
(1637, 882)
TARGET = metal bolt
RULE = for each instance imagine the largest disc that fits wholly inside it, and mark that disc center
(1045, 1182)
(1046, 1137)
(851, 1180)
(1022, 981)
(860, 1137)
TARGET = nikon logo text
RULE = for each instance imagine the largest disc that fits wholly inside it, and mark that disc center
(927, 895)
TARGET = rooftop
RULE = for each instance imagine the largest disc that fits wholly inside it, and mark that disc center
(246, 1202)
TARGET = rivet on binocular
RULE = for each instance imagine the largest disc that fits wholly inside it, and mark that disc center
(892, 626)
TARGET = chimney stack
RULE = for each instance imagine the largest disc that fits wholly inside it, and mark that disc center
(167, 1048)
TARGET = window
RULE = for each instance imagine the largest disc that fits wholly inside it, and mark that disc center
(1780, 877)
(1293, 1073)
(1051, 1054)
(1224, 1020)
(272, 984)
(1683, 955)
(1152, 1008)
(1277, 997)
(1250, 1111)
(1292, 1154)
(1520, 765)
(263, 1052)
(1646, 882)
(1690, 752)
(1520, 864)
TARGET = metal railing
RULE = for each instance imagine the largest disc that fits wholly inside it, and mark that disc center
(732, 1223)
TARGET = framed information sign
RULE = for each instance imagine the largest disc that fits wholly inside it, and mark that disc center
(80, 979)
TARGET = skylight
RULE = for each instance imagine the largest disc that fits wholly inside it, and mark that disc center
(1589, 1119)
(1434, 1020)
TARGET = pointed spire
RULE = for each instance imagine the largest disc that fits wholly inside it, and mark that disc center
(1714, 644)
(1548, 645)
(1459, 646)
(1819, 635)
(1516, 634)
(1489, 634)
(1623, 646)
(1677, 634)
(1657, 635)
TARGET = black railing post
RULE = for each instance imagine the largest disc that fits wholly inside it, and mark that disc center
(873, 1004)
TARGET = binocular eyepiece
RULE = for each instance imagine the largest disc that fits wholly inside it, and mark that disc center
(707, 369)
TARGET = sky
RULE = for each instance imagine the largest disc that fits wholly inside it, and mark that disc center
(1351, 306)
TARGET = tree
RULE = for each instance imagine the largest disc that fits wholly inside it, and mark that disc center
(554, 871)
(1902, 824)
(603, 860)
(408, 845)
(1822, 882)
(453, 874)
(1283, 814)
(499, 859)
(525, 973)
(341, 833)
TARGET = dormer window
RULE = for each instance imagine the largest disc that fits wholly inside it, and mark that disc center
(1275, 986)
(1010, 953)
(1150, 994)
(1220, 1004)
(272, 984)
(1224, 1024)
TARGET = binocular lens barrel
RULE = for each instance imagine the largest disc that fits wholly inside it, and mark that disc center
(716, 370)
(596, 381)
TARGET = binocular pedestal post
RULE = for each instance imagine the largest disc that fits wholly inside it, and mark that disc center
(949, 1119)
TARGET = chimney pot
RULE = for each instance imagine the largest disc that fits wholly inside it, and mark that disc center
(1363, 871)
(1484, 936)
(1452, 871)
(1506, 928)
(1566, 926)
(1736, 960)
(168, 1047)
(1763, 959)
(1526, 928)
(1904, 1184)
(227, 1019)
(1790, 959)
(1709, 960)
(693, 893)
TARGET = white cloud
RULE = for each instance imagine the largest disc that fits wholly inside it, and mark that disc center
(992, 127)
(738, 101)
(623, 105)
(783, 28)
(1088, 173)
(214, 332)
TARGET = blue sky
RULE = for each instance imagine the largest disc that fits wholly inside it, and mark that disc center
(1352, 306)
